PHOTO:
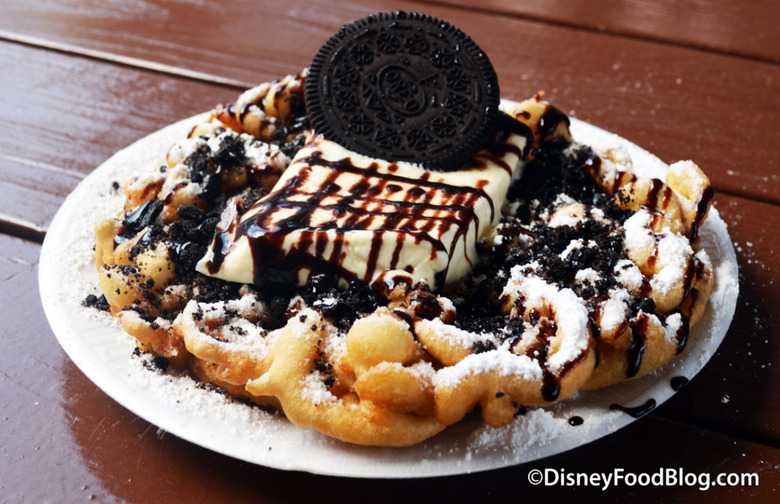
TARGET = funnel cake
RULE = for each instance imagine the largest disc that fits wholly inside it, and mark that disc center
(587, 275)
(379, 295)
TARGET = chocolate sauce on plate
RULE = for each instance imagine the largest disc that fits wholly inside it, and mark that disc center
(636, 411)
(678, 382)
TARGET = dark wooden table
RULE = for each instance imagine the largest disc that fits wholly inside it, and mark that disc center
(685, 79)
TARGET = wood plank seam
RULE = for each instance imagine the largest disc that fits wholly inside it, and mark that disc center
(717, 428)
(122, 60)
(43, 166)
(21, 229)
(751, 197)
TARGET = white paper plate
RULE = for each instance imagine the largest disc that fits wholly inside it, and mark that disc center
(98, 346)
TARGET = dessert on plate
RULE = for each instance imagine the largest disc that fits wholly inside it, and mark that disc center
(378, 246)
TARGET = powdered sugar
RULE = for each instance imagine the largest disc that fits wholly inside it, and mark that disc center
(315, 391)
(587, 275)
(261, 154)
(638, 235)
(571, 314)
(134, 317)
(183, 149)
(237, 333)
(628, 274)
(500, 361)
(333, 343)
(674, 252)
(613, 313)
(423, 370)
(574, 245)
(669, 251)
(455, 334)
(672, 325)
(137, 184)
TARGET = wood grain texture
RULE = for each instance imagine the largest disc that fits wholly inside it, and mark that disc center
(84, 78)
(71, 112)
(65, 115)
(27, 202)
(739, 27)
(739, 390)
(677, 103)
(64, 439)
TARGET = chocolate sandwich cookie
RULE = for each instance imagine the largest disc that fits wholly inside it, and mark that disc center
(404, 87)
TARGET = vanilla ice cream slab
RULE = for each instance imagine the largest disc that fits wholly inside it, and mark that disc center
(338, 212)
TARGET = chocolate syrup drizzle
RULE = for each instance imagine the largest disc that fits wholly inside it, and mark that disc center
(417, 216)
(678, 382)
(658, 199)
(639, 325)
(638, 344)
